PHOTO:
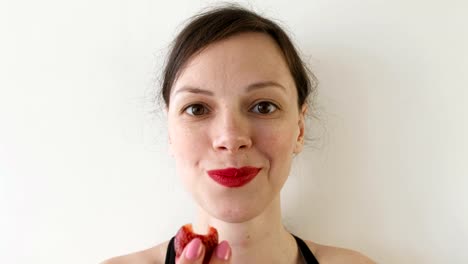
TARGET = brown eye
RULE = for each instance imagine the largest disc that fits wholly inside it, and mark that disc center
(196, 110)
(264, 108)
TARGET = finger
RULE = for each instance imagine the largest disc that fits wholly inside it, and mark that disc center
(193, 253)
(222, 254)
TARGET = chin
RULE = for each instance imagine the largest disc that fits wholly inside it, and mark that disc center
(232, 212)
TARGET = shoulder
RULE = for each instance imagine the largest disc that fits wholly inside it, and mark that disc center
(153, 255)
(335, 255)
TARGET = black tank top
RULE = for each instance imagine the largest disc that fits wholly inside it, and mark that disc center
(307, 255)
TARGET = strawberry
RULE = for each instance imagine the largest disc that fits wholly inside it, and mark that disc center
(186, 234)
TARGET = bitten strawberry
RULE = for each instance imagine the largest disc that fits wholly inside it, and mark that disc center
(186, 234)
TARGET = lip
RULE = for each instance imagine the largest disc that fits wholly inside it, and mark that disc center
(234, 177)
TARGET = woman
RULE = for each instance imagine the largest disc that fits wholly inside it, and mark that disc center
(236, 96)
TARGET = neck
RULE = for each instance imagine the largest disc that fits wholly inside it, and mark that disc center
(262, 239)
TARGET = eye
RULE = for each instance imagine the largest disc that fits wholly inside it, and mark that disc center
(264, 107)
(196, 110)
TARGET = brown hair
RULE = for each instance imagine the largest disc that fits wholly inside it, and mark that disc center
(223, 22)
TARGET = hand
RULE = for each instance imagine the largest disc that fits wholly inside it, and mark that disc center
(194, 253)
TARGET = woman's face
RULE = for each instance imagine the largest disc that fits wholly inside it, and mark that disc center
(235, 105)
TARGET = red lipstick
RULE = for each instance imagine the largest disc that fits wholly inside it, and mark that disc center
(233, 177)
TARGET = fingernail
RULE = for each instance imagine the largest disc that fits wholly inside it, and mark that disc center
(223, 250)
(194, 249)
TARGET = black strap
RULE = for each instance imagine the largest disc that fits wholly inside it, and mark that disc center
(305, 251)
(170, 253)
(303, 248)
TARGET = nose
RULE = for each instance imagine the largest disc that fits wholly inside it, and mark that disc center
(232, 133)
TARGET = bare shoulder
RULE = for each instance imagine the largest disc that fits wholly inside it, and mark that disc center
(153, 255)
(335, 255)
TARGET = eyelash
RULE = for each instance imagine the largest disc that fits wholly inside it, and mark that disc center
(184, 110)
(270, 103)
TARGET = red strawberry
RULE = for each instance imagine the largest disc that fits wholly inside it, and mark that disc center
(186, 234)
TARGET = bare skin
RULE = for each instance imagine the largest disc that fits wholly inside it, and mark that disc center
(324, 254)
(236, 104)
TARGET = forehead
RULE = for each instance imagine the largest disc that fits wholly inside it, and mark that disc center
(238, 60)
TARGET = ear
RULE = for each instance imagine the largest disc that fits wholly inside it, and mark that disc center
(301, 125)
(169, 141)
(170, 146)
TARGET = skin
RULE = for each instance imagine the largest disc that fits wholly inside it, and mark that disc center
(235, 104)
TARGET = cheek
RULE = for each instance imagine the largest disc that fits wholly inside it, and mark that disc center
(278, 139)
(186, 147)
(187, 143)
(277, 147)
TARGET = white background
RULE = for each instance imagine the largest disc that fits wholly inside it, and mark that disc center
(84, 168)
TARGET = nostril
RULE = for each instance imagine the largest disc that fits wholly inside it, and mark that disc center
(224, 148)
(232, 144)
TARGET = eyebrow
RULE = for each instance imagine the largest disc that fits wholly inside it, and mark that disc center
(259, 85)
(251, 87)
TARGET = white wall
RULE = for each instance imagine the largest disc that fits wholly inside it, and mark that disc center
(84, 170)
